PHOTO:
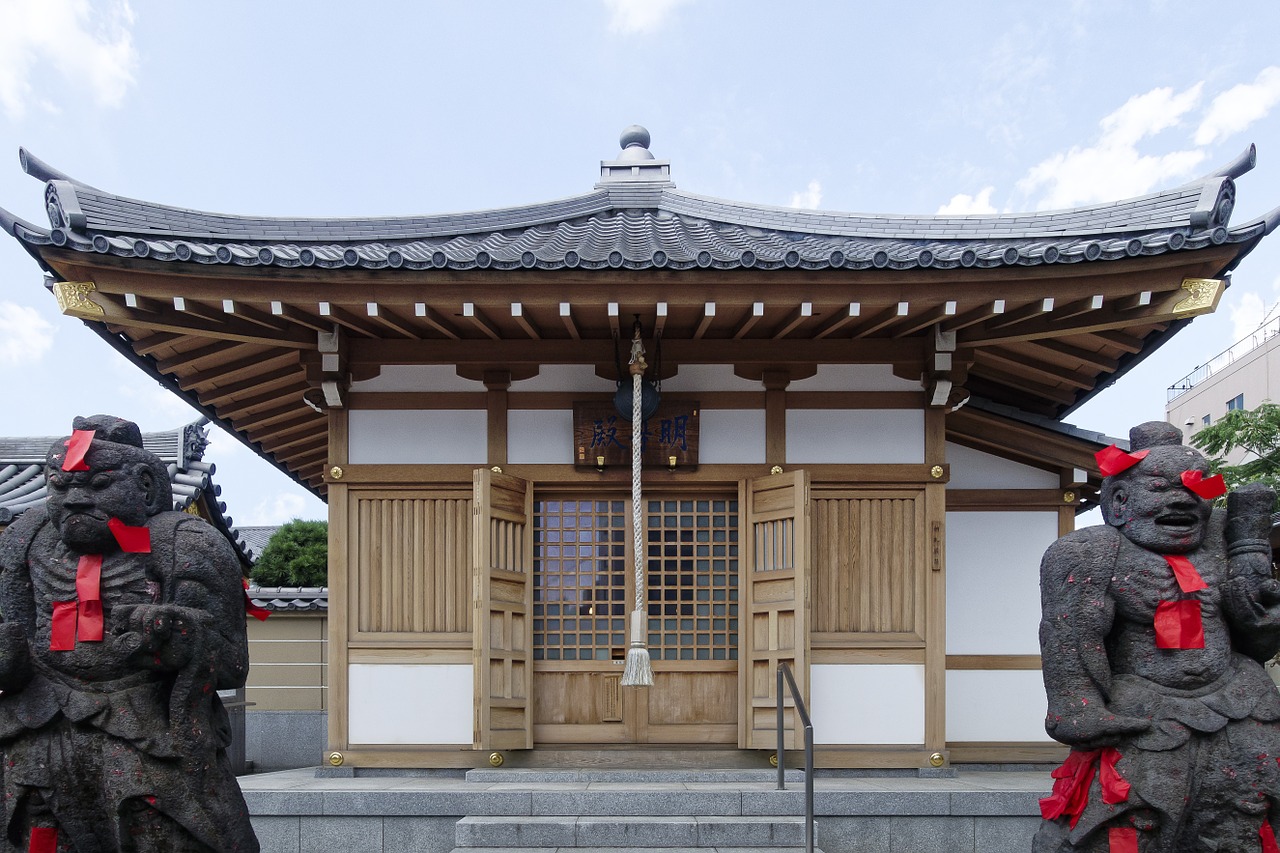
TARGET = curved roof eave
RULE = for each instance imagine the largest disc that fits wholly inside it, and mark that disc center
(638, 225)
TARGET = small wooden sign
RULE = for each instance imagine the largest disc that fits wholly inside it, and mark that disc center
(602, 437)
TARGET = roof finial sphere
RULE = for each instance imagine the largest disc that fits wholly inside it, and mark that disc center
(635, 135)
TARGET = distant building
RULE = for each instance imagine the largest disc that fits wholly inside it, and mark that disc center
(1240, 377)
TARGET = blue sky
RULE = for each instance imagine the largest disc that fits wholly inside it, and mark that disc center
(318, 108)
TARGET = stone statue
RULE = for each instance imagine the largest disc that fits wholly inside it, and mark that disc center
(121, 621)
(1155, 628)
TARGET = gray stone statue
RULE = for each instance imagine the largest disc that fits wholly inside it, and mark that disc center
(1155, 628)
(121, 621)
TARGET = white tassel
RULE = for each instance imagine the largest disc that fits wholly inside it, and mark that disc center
(637, 672)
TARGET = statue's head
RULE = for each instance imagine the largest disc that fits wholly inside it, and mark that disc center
(1149, 501)
(122, 480)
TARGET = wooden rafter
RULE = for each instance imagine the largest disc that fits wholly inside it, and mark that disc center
(753, 317)
(1077, 308)
(566, 317)
(838, 321)
(880, 320)
(349, 320)
(973, 316)
(801, 313)
(936, 314)
(433, 319)
(388, 317)
(239, 406)
(184, 323)
(708, 317)
(232, 369)
(518, 314)
(295, 314)
(155, 342)
(481, 322)
(254, 315)
(267, 379)
(1021, 363)
(1095, 360)
(1012, 380)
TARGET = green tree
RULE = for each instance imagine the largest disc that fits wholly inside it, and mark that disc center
(297, 555)
(1257, 431)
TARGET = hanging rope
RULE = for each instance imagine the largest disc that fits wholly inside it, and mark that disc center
(637, 672)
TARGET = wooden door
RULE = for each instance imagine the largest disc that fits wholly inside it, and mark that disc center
(775, 619)
(502, 549)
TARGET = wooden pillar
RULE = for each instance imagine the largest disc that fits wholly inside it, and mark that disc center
(935, 636)
(775, 415)
(496, 383)
(340, 604)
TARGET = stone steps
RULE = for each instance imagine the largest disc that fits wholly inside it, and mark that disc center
(648, 831)
(629, 850)
(635, 777)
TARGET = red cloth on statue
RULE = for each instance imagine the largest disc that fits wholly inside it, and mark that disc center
(1179, 625)
(1071, 789)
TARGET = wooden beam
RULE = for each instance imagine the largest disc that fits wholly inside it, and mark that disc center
(753, 317)
(838, 321)
(258, 361)
(1011, 380)
(299, 438)
(716, 351)
(993, 355)
(517, 313)
(303, 417)
(1026, 312)
(659, 319)
(389, 318)
(1080, 306)
(294, 314)
(435, 321)
(936, 314)
(115, 313)
(880, 320)
(155, 342)
(269, 379)
(803, 312)
(974, 316)
(345, 318)
(1128, 343)
(254, 315)
(144, 303)
(566, 317)
(1096, 360)
(481, 322)
(1134, 301)
(241, 405)
(615, 329)
(191, 357)
(708, 315)
(194, 308)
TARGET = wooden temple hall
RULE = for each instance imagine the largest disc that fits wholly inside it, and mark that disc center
(852, 461)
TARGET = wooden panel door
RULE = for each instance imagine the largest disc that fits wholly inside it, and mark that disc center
(774, 577)
(502, 548)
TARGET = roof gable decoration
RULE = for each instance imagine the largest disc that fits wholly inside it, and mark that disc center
(636, 219)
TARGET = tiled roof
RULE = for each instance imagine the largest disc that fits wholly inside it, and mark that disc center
(23, 485)
(641, 225)
(290, 599)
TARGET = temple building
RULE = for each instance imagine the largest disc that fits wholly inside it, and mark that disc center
(853, 458)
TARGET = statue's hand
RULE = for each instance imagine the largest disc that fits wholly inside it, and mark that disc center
(154, 635)
(1249, 512)
(15, 656)
(1094, 728)
(1252, 604)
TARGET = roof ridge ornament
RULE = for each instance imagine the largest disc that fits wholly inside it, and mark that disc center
(636, 165)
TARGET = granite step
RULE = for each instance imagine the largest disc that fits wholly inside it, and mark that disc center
(643, 777)
(629, 849)
(640, 831)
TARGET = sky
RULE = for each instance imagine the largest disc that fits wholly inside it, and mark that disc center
(397, 108)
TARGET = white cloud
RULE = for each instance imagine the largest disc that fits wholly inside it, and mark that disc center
(639, 17)
(25, 336)
(1113, 168)
(90, 46)
(962, 204)
(1246, 315)
(1240, 106)
(810, 198)
(280, 508)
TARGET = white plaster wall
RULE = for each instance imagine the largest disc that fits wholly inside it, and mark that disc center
(418, 377)
(709, 377)
(538, 437)
(854, 377)
(417, 437)
(1004, 705)
(731, 436)
(867, 703)
(402, 703)
(974, 469)
(565, 377)
(993, 581)
(869, 436)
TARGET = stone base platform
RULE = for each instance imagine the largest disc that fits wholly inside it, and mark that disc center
(981, 810)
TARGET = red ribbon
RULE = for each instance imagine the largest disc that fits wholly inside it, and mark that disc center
(89, 596)
(1113, 460)
(1207, 488)
(44, 839)
(62, 632)
(1122, 839)
(1178, 625)
(1268, 837)
(1188, 578)
(1071, 789)
(132, 540)
(77, 447)
(259, 613)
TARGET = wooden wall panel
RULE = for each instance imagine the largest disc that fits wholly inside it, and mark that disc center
(868, 570)
(413, 564)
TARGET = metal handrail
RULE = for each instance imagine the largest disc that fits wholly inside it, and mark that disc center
(784, 672)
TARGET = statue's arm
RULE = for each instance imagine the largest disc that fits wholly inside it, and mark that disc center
(16, 605)
(1251, 597)
(1077, 612)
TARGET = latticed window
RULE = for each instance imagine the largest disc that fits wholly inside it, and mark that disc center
(692, 566)
(580, 580)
